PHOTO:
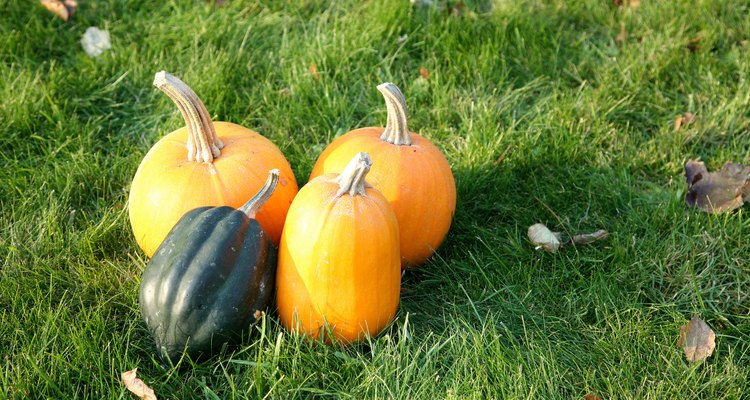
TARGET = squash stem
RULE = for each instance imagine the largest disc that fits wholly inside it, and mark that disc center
(256, 202)
(203, 145)
(396, 127)
(352, 179)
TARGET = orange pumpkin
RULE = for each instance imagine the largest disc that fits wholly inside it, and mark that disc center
(339, 265)
(204, 164)
(409, 170)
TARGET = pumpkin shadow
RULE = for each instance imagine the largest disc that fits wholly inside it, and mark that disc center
(486, 271)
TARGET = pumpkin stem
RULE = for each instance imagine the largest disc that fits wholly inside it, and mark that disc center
(203, 145)
(396, 129)
(256, 202)
(352, 179)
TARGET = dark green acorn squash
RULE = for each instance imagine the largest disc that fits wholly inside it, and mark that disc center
(210, 279)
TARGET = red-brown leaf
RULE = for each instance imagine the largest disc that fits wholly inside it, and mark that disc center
(424, 73)
(314, 71)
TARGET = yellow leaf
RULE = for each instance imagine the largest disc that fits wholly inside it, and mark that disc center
(62, 8)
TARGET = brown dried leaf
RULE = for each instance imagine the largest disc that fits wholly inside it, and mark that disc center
(683, 120)
(314, 71)
(545, 239)
(697, 340)
(457, 8)
(586, 238)
(678, 123)
(717, 192)
(424, 73)
(688, 118)
(137, 386)
(694, 43)
(62, 8)
(634, 4)
(592, 397)
(623, 35)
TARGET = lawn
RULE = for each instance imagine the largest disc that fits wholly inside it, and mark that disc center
(560, 112)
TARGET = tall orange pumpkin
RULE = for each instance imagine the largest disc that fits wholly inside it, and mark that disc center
(339, 263)
(409, 170)
(204, 163)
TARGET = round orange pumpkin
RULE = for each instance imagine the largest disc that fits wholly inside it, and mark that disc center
(204, 163)
(408, 170)
(339, 265)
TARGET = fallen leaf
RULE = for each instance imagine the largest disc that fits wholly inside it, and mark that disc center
(592, 397)
(628, 3)
(683, 120)
(689, 118)
(95, 41)
(424, 73)
(314, 71)
(717, 192)
(623, 35)
(62, 8)
(697, 340)
(137, 386)
(694, 43)
(457, 8)
(544, 238)
(587, 238)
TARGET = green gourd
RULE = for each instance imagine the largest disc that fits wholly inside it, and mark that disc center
(210, 279)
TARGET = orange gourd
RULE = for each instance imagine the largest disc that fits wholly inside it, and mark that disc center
(339, 265)
(408, 170)
(204, 164)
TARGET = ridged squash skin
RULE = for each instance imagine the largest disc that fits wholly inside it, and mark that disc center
(416, 179)
(207, 283)
(205, 163)
(167, 184)
(410, 171)
(339, 263)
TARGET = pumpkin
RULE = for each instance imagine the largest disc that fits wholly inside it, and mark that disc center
(410, 171)
(339, 265)
(204, 163)
(210, 279)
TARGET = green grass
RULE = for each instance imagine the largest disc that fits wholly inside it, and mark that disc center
(585, 124)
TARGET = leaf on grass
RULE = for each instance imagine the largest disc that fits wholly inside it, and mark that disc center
(634, 4)
(592, 397)
(694, 43)
(586, 238)
(543, 238)
(424, 73)
(683, 120)
(62, 8)
(697, 340)
(314, 71)
(717, 192)
(137, 386)
(623, 35)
